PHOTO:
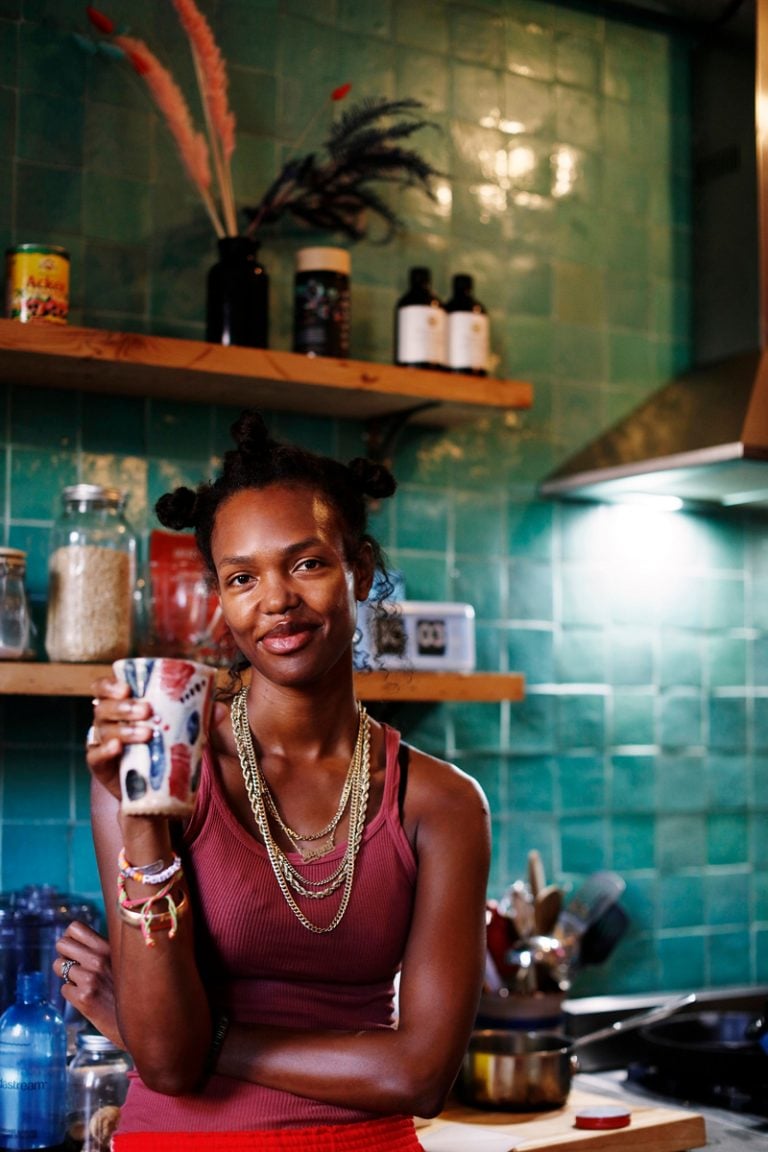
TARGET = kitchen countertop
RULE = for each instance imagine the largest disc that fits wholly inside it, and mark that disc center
(657, 1125)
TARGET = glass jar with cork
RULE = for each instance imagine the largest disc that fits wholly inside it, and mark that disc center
(91, 578)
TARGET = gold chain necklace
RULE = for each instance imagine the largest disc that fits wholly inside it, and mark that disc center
(286, 874)
(329, 832)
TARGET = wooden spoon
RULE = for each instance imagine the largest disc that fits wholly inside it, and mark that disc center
(546, 908)
(536, 880)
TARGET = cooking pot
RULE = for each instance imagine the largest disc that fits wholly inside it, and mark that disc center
(532, 1071)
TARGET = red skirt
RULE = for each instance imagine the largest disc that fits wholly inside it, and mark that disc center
(391, 1134)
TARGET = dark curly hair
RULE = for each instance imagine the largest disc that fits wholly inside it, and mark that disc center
(258, 461)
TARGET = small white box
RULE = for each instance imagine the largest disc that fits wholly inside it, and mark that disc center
(419, 634)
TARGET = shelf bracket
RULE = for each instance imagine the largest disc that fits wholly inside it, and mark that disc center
(381, 432)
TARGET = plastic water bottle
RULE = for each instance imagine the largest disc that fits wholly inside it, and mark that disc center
(33, 1069)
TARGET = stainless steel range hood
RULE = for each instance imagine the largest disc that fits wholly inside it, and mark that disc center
(702, 439)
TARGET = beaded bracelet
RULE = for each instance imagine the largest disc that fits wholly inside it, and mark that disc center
(141, 914)
(155, 873)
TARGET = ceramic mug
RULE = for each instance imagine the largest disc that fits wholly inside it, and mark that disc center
(162, 777)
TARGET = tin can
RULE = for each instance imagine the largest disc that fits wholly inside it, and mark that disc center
(37, 283)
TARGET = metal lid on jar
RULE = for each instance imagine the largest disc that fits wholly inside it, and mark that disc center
(13, 555)
(95, 1042)
(92, 494)
(323, 260)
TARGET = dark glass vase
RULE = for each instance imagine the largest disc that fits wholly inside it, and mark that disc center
(237, 298)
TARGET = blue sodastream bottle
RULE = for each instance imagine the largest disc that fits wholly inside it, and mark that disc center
(33, 1068)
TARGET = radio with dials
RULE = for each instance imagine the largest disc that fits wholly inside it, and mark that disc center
(420, 634)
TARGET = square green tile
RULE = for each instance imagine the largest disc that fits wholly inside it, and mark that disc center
(632, 784)
(530, 651)
(583, 843)
(581, 781)
(632, 718)
(728, 838)
(117, 210)
(680, 721)
(531, 784)
(680, 659)
(728, 959)
(681, 842)
(726, 782)
(531, 727)
(681, 902)
(50, 139)
(529, 592)
(631, 658)
(479, 584)
(682, 961)
(424, 25)
(727, 898)
(115, 278)
(580, 721)
(728, 723)
(633, 843)
(28, 774)
(49, 202)
(476, 725)
(34, 853)
(679, 783)
(581, 656)
(37, 479)
(422, 519)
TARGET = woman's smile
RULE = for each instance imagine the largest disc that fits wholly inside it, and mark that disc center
(288, 636)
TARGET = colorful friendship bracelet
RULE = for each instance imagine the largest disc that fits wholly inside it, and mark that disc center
(155, 873)
(141, 913)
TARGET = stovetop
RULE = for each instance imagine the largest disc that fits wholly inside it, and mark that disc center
(735, 1110)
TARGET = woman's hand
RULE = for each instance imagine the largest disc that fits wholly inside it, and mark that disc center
(118, 719)
(85, 966)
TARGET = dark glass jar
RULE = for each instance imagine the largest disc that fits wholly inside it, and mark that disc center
(420, 324)
(237, 299)
(468, 330)
(321, 302)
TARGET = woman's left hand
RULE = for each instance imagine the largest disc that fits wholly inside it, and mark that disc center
(84, 964)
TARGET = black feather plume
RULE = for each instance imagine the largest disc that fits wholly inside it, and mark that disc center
(334, 192)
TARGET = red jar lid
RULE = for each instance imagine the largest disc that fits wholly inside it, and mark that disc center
(603, 1116)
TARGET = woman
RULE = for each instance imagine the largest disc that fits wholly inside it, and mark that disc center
(323, 857)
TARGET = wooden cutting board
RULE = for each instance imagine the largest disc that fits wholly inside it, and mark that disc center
(651, 1129)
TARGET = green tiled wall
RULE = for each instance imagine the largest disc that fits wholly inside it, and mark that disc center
(642, 743)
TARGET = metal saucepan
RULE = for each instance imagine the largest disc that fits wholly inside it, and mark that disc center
(532, 1071)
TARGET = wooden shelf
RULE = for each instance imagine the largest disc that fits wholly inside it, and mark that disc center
(24, 678)
(94, 360)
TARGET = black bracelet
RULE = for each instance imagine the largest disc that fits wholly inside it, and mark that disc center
(220, 1029)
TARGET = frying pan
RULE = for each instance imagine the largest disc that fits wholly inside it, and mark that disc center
(708, 1048)
(532, 1071)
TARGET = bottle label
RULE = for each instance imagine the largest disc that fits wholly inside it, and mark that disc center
(420, 335)
(32, 1103)
(468, 339)
(321, 314)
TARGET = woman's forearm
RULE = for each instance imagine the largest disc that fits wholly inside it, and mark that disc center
(385, 1070)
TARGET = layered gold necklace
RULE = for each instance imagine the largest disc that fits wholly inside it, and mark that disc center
(354, 795)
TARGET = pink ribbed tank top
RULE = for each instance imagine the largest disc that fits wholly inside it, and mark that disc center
(262, 965)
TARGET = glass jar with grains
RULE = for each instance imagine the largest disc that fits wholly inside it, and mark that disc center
(97, 1083)
(91, 578)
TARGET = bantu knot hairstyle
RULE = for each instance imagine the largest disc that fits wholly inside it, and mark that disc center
(258, 461)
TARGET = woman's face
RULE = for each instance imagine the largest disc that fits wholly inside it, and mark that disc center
(288, 592)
